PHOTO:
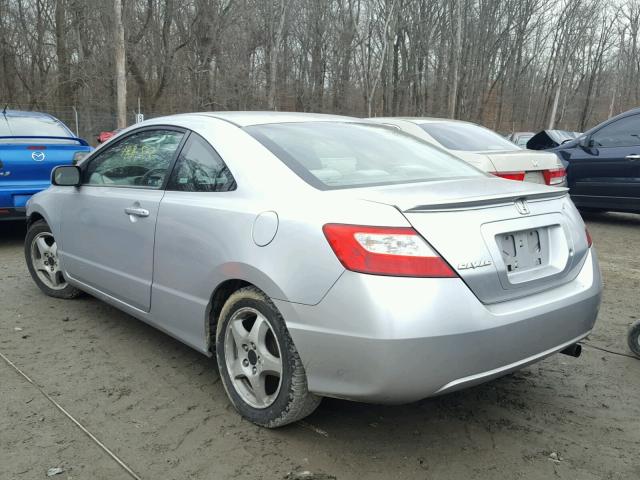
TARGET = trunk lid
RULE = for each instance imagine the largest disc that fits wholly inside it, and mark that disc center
(32, 163)
(528, 161)
(26, 164)
(505, 239)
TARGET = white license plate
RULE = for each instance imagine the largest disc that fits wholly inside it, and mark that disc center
(534, 177)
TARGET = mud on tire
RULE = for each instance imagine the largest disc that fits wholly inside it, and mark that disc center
(291, 400)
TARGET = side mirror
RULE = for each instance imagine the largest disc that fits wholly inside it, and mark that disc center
(66, 176)
(585, 142)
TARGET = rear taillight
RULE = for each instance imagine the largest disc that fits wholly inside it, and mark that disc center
(394, 251)
(519, 176)
(557, 176)
(589, 239)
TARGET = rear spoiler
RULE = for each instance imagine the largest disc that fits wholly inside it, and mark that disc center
(82, 142)
(490, 201)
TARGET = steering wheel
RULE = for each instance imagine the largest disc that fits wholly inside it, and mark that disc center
(159, 175)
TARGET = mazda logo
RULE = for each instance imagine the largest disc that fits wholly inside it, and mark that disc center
(38, 156)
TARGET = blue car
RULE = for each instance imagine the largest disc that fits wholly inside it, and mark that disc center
(603, 165)
(31, 145)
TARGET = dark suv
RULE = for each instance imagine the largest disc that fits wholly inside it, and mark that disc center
(603, 165)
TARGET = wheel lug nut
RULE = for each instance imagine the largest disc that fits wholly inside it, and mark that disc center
(253, 345)
(244, 347)
(245, 362)
(254, 370)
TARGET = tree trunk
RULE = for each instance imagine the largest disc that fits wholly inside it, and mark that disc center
(121, 79)
(457, 45)
(273, 60)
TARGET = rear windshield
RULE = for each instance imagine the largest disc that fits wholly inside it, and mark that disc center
(467, 137)
(31, 126)
(330, 155)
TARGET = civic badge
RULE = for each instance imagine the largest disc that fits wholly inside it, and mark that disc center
(474, 264)
(521, 206)
(38, 156)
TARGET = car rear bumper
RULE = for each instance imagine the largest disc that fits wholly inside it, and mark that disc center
(7, 214)
(13, 199)
(395, 340)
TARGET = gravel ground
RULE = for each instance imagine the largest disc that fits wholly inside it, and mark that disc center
(160, 407)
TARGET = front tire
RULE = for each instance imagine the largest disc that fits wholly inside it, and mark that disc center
(41, 254)
(259, 365)
(634, 338)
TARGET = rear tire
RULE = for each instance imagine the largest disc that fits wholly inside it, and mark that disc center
(634, 338)
(259, 365)
(41, 255)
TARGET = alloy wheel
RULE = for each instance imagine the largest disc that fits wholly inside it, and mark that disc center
(253, 358)
(44, 258)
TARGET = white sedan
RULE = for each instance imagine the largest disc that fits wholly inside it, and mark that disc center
(484, 149)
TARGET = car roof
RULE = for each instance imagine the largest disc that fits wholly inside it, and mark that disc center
(628, 113)
(26, 113)
(245, 119)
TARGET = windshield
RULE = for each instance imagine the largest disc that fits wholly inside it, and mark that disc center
(467, 137)
(19, 126)
(330, 155)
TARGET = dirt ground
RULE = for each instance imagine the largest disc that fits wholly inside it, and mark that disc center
(160, 407)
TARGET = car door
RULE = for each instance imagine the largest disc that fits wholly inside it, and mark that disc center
(198, 216)
(108, 224)
(605, 173)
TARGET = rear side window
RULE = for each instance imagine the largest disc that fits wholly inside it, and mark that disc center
(621, 133)
(140, 160)
(32, 127)
(330, 155)
(467, 137)
(200, 169)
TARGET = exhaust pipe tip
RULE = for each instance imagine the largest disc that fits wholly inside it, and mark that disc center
(573, 350)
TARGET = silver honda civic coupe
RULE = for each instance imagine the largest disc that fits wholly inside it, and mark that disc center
(318, 255)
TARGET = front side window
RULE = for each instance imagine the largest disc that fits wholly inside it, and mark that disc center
(467, 137)
(140, 160)
(621, 133)
(200, 169)
(330, 155)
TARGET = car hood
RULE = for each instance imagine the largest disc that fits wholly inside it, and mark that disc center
(547, 139)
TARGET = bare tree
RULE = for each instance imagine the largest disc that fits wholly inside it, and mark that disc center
(509, 64)
(120, 62)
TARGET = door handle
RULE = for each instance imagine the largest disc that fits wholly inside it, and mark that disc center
(633, 156)
(137, 211)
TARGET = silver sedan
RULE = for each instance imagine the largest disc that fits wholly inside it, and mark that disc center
(318, 255)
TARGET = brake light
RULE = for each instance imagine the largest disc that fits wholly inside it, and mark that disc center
(556, 176)
(589, 239)
(518, 176)
(394, 251)
(36, 147)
